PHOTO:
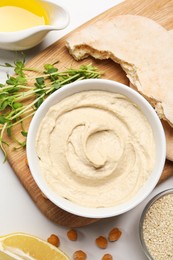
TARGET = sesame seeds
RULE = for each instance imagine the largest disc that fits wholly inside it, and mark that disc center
(158, 228)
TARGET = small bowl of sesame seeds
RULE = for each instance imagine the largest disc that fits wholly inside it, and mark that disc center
(156, 227)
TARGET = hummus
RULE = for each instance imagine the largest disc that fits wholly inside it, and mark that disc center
(96, 148)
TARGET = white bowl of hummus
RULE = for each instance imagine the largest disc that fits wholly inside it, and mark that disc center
(96, 148)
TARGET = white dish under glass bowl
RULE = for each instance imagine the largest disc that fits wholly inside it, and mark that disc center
(102, 85)
(28, 38)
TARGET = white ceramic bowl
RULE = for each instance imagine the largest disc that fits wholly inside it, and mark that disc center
(111, 86)
(28, 38)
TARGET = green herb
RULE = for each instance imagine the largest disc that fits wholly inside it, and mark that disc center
(21, 88)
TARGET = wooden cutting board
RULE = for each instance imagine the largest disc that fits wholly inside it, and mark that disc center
(160, 11)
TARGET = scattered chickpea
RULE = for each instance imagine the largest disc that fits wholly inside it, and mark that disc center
(72, 235)
(107, 257)
(114, 234)
(79, 255)
(101, 242)
(54, 240)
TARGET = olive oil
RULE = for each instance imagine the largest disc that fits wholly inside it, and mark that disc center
(16, 15)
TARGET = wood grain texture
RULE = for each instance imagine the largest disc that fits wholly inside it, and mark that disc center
(160, 11)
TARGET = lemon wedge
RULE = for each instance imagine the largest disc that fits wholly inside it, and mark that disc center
(21, 246)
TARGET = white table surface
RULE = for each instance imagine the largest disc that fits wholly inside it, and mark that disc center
(18, 213)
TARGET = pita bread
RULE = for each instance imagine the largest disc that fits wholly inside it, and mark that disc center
(168, 134)
(171, 33)
(167, 128)
(143, 48)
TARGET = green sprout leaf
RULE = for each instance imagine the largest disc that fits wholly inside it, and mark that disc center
(24, 133)
(20, 88)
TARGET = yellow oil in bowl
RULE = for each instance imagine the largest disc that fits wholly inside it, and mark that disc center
(16, 15)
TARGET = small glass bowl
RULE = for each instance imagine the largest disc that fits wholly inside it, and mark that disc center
(147, 207)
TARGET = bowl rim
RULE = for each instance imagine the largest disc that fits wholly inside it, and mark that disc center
(144, 212)
(78, 86)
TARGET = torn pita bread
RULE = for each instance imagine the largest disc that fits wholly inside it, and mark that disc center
(143, 48)
(171, 33)
(168, 134)
(167, 128)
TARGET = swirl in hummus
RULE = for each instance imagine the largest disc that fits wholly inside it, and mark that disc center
(96, 148)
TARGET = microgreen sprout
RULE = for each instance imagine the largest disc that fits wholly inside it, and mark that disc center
(21, 95)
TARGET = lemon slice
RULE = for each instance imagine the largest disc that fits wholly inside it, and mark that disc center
(21, 246)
